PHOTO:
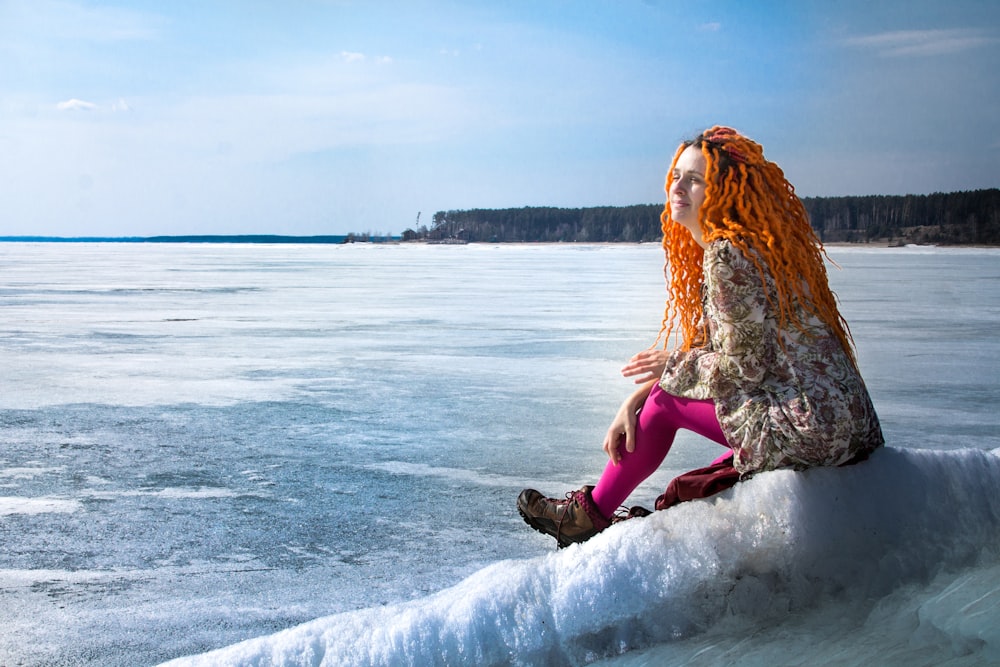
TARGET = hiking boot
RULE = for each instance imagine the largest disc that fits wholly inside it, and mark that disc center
(575, 519)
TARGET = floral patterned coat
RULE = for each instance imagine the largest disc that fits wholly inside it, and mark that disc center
(796, 405)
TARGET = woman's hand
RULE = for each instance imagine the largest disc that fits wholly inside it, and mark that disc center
(646, 366)
(622, 428)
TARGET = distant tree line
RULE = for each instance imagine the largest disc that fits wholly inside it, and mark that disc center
(971, 217)
(942, 218)
(636, 223)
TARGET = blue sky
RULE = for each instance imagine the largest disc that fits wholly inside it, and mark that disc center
(324, 117)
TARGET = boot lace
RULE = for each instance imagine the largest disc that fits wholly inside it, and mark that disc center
(625, 513)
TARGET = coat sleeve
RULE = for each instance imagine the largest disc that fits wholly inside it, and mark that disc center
(736, 312)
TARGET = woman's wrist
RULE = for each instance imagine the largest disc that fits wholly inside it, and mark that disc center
(639, 395)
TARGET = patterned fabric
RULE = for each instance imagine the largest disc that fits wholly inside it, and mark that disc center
(784, 398)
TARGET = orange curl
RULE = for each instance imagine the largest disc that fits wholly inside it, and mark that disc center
(749, 202)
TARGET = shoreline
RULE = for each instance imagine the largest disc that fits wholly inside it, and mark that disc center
(335, 240)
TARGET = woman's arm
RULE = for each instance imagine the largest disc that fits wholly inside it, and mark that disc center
(740, 350)
(623, 426)
(737, 305)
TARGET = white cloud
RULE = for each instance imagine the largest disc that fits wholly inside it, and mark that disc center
(899, 43)
(351, 56)
(713, 26)
(119, 105)
(356, 57)
(76, 105)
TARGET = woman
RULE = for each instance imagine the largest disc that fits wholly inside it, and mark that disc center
(764, 364)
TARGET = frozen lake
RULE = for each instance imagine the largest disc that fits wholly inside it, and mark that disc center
(204, 444)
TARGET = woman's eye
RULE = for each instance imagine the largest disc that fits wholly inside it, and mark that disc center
(690, 179)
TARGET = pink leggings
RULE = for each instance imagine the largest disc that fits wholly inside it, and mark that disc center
(661, 416)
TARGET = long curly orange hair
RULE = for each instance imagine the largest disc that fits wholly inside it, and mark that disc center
(749, 202)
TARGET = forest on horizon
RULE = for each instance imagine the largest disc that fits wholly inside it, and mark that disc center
(966, 218)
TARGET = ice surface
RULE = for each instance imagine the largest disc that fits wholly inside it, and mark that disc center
(204, 444)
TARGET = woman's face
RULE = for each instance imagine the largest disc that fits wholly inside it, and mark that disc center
(687, 190)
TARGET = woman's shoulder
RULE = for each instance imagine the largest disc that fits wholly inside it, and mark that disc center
(724, 251)
(726, 259)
